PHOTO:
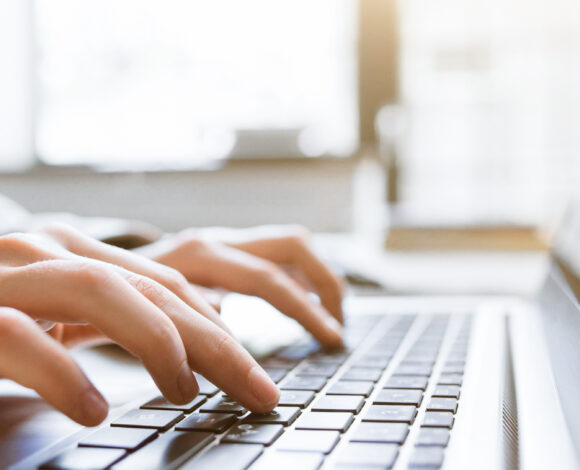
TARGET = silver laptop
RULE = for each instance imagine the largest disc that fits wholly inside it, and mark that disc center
(424, 382)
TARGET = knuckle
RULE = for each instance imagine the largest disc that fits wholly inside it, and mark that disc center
(164, 335)
(194, 244)
(152, 290)
(15, 242)
(94, 276)
(190, 240)
(61, 233)
(174, 280)
(225, 347)
(299, 233)
(56, 229)
(24, 248)
(266, 273)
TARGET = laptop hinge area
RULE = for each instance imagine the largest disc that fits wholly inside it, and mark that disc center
(510, 440)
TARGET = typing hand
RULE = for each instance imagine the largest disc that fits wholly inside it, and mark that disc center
(272, 262)
(151, 310)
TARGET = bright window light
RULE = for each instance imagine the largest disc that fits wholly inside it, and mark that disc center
(175, 83)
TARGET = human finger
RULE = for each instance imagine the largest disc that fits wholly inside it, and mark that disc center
(214, 353)
(83, 245)
(292, 248)
(69, 291)
(31, 358)
(214, 264)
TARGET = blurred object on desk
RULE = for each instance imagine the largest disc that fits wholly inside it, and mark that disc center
(459, 229)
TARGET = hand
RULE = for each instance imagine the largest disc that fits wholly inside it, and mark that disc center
(63, 276)
(272, 262)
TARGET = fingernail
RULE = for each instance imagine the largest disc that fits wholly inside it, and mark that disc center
(95, 409)
(262, 387)
(186, 383)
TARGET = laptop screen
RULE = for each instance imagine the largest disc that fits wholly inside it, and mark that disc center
(561, 318)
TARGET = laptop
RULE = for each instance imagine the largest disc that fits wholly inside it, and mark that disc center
(424, 382)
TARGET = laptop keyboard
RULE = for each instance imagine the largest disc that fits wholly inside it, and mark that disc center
(389, 399)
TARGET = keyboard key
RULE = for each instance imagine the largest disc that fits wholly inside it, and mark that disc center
(415, 362)
(351, 387)
(84, 458)
(419, 356)
(426, 457)
(455, 362)
(438, 419)
(309, 441)
(325, 421)
(459, 349)
(413, 359)
(367, 454)
(450, 391)
(426, 346)
(299, 351)
(381, 349)
(282, 460)
(399, 397)
(372, 374)
(222, 404)
(212, 422)
(453, 369)
(450, 379)
(284, 415)
(278, 363)
(330, 357)
(168, 450)
(400, 381)
(295, 398)
(391, 413)
(351, 403)
(305, 383)
(395, 433)
(379, 362)
(120, 438)
(160, 403)
(253, 433)
(442, 404)
(230, 456)
(411, 369)
(205, 386)
(276, 374)
(156, 419)
(318, 369)
(456, 356)
(433, 437)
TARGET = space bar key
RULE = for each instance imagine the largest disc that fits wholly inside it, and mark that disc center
(168, 451)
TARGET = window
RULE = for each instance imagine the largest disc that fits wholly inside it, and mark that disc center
(16, 105)
(173, 83)
(493, 98)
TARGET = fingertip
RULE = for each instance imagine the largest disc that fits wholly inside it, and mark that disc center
(264, 390)
(94, 409)
(339, 314)
(333, 336)
(187, 384)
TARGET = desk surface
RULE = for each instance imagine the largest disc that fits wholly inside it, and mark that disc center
(462, 273)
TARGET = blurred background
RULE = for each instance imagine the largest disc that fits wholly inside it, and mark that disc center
(316, 112)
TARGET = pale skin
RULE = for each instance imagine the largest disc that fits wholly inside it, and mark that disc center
(145, 302)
